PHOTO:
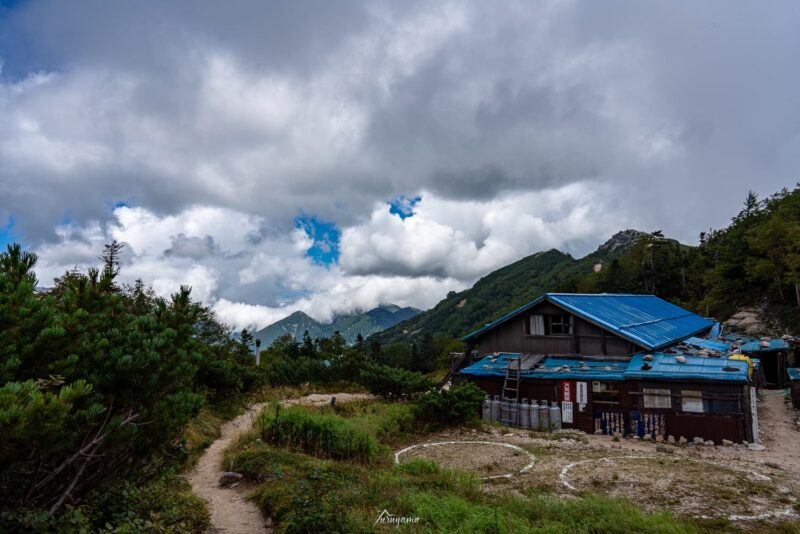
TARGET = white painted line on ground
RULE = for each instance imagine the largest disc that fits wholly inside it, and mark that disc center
(498, 443)
(758, 476)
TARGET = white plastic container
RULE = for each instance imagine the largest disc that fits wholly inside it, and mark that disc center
(513, 413)
(525, 414)
(555, 416)
(544, 416)
(534, 414)
(486, 414)
(496, 408)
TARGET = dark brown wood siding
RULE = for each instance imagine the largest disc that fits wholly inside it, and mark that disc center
(627, 402)
(587, 338)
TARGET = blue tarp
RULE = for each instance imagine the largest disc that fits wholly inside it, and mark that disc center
(794, 374)
(772, 344)
(667, 367)
(712, 344)
(646, 320)
(549, 368)
(661, 367)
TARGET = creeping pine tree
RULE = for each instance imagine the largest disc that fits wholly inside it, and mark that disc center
(96, 379)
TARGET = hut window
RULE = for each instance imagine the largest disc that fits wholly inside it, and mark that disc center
(657, 398)
(691, 401)
(536, 325)
(560, 324)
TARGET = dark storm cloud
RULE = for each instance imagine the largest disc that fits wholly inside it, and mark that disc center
(196, 248)
(466, 100)
(617, 114)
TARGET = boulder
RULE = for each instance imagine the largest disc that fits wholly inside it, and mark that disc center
(727, 442)
(230, 477)
(698, 441)
(709, 443)
(671, 440)
(682, 440)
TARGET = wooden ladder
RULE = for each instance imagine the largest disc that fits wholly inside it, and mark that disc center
(511, 386)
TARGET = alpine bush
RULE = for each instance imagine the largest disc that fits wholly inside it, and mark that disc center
(455, 406)
(392, 383)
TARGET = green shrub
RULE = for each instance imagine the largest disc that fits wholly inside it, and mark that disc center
(165, 505)
(391, 383)
(455, 406)
(284, 371)
(326, 436)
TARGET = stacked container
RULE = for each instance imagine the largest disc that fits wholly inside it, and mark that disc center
(555, 416)
(544, 416)
(496, 408)
(525, 414)
(534, 414)
(486, 413)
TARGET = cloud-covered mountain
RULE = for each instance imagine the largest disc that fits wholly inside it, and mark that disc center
(349, 326)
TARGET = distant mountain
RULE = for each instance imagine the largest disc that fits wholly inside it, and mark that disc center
(366, 324)
(507, 289)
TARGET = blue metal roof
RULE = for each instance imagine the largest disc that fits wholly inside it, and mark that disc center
(759, 346)
(794, 374)
(667, 367)
(646, 320)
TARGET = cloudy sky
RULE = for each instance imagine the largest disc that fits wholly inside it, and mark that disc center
(331, 156)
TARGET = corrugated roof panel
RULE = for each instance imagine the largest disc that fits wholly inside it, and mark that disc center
(667, 367)
(644, 319)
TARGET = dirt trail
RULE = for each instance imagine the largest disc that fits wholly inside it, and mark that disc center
(778, 433)
(231, 512)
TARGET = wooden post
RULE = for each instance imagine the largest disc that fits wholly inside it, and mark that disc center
(258, 353)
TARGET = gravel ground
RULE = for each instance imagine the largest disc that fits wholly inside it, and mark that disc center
(697, 480)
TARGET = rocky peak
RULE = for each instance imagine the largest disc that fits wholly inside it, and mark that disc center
(622, 239)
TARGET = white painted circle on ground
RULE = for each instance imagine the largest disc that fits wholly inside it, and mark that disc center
(735, 517)
(497, 443)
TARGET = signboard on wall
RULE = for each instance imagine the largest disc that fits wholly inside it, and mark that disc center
(582, 392)
(566, 412)
(567, 391)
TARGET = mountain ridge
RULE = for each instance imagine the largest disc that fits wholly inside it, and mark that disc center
(348, 325)
(508, 288)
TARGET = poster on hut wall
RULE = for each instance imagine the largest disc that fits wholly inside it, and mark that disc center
(566, 412)
(582, 390)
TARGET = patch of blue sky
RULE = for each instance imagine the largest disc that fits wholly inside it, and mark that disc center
(7, 235)
(403, 206)
(325, 250)
(112, 205)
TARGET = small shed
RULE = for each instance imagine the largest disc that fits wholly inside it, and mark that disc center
(776, 357)
(794, 386)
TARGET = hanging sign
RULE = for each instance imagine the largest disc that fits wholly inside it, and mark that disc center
(566, 390)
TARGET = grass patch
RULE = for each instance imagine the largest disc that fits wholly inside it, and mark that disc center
(324, 436)
(313, 480)
(307, 494)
